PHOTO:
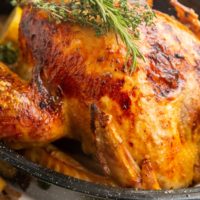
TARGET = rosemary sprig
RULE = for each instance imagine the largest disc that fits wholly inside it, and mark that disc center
(103, 16)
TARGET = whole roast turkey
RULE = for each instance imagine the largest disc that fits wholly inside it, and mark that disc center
(142, 127)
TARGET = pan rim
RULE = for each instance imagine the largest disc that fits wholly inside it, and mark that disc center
(91, 189)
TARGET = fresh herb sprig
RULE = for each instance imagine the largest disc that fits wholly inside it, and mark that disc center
(103, 16)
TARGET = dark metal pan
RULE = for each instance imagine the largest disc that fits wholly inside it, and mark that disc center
(87, 190)
(90, 189)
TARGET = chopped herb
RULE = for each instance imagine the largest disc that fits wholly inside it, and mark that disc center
(103, 16)
(8, 53)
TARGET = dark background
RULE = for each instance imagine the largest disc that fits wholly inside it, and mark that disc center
(164, 6)
(5, 7)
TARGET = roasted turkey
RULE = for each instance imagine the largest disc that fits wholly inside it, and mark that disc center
(142, 127)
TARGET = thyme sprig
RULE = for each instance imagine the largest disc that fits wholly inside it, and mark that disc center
(103, 16)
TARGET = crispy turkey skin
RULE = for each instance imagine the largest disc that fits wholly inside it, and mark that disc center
(143, 127)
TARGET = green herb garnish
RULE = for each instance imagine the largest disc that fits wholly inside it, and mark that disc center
(8, 53)
(103, 16)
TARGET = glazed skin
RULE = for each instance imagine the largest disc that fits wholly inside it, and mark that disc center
(142, 127)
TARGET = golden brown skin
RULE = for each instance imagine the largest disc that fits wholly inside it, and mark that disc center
(144, 127)
(187, 16)
(26, 115)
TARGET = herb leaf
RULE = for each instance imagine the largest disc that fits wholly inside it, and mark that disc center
(103, 16)
(8, 53)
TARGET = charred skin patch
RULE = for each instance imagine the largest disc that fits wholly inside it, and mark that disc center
(163, 70)
(162, 74)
